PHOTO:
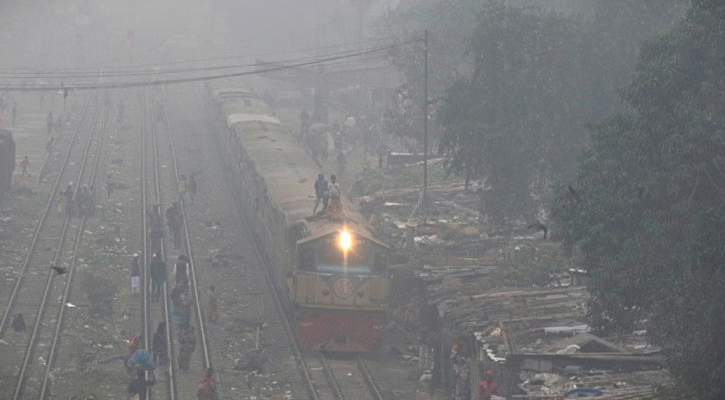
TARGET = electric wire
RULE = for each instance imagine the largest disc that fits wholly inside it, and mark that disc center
(130, 72)
(222, 58)
(129, 84)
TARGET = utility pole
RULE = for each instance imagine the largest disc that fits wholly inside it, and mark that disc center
(425, 129)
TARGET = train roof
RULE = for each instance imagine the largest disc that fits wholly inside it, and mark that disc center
(230, 92)
(289, 173)
(241, 118)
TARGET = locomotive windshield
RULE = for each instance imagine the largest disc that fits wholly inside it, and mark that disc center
(357, 255)
(345, 250)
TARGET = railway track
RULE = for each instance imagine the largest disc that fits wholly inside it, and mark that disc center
(27, 299)
(60, 318)
(342, 377)
(39, 227)
(149, 137)
(321, 374)
(206, 359)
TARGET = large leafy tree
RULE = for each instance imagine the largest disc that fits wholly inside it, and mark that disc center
(516, 121)
(648, 207)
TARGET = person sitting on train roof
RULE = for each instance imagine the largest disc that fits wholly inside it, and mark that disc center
(321, 193)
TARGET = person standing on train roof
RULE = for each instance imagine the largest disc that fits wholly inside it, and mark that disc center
(335, 203)
(158, 277)
(321, 193)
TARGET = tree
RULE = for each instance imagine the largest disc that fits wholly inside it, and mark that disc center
(450, 23)
(516, 121)
(649, 210)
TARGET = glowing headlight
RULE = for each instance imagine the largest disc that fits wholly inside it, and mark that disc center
(345, 240)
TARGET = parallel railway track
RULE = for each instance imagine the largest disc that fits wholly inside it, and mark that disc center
(187, 244)
(60, 318)
(39, 228)
(25, 296)
(149, 135)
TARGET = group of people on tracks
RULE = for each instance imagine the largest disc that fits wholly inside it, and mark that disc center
(141, 363)
(77, 203)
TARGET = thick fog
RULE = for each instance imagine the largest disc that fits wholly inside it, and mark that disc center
(82, 33)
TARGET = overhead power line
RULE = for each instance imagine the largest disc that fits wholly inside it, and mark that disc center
(120, 73)
(131, 84)
(139, 67)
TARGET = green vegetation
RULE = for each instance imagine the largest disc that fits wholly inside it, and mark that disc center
(650, 211)
(645, 208)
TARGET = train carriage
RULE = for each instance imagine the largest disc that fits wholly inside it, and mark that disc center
(332, 268)
(7, 160)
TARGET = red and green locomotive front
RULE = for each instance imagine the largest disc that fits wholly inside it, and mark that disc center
(340, 289)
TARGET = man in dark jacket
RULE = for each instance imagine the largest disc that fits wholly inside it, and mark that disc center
(140, 385)
(321, 193)
(181, 271)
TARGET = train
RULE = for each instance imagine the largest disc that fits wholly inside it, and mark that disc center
(332, 271)
(7, 160)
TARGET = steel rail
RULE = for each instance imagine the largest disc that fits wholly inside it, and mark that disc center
(368, 377)
(330, 375)
(39, 226)
(71, 270)
(20, 382)
(261, 256)
(49, 156)
(157, 189)
(192, 266)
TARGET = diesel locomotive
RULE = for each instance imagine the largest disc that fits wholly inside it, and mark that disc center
(332, 269)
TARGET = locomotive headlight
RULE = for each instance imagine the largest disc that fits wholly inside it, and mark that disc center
(345, 240)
